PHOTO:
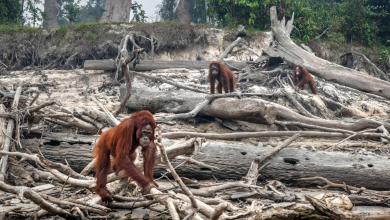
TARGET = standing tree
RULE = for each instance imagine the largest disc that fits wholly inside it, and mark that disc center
(116, 11)
(138, 16)
(36, 14)
(51, 11)
(72, 11)
(167, 10)
(183, 11)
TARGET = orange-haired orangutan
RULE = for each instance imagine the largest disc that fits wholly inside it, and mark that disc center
(302, 77)
(225, 77)
(121, 142)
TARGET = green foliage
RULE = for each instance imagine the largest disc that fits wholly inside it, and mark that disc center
(72, 11)
(167, 10)
(89, 34)
(92, 11)
(197, 10)
(337, 20)
(383, 57)
(9, 28)
(36, 14)
(139, 14)
(9, 11)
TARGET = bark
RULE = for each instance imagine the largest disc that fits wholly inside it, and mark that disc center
(148, 65)
(51, 10)
(3, 125)
(352, 125)
(99, 65)
(286, 49)
(116, 11)
(145, 98)
(183, 11)
(289, 165)
(78, 155)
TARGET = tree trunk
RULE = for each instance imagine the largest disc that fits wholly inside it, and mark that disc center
(288, 165)
(3, 126)
(116, 11)
(286, 49)
(148, 65)
(51, 10)
(78, 155)
(145, 98)
(183, 11)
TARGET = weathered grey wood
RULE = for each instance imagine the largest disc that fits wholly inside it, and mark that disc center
(235, 160)
(66, 137)
(99, 65)
(182, 101)
(148, 65)
(286, 49)
(77, 155)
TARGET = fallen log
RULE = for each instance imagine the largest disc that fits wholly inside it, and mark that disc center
(288, 165)
(182, 101)
(283, 47)
(147, 65)
(145, 98)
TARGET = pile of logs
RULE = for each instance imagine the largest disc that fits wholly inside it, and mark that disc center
(188, 199)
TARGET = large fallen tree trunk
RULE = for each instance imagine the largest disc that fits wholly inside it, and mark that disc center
(145, 98)
(286, 49)
(147, 65)
(288, 165)
(182, 101)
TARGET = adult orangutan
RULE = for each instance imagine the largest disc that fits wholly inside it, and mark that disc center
(302, 77)
(225, 77)
(121, 142)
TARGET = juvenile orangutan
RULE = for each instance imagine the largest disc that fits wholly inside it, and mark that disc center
(225, 77)
(302, 77)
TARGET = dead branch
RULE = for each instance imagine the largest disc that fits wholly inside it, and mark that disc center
(211, 191)
(238, 135)
(229, 49)
(68, 205)
(198, 107)
(303, 125)
(46, 163)
(191, 160)
(356, 125)
(25, 192)
(333, 212)
(336, 185)
(169, 82)
(8, 137)
(248, 49)
(132, 205)
(253, 173)
(300, 108)
(373, 65)
(171, 170)
(113, 121)
(128, 90)
(349, 137)
(218, 210)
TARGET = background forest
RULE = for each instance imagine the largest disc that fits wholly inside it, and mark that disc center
(341, 21)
